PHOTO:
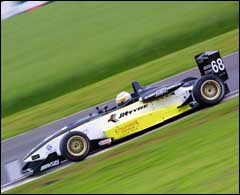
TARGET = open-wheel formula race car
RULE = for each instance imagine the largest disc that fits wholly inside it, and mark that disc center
(134, 112)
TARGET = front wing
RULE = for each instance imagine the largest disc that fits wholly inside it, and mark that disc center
(40, 165)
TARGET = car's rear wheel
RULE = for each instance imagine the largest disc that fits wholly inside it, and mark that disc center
(75, 146)
(208, 90)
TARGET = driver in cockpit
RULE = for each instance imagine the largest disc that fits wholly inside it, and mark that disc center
(123, 99)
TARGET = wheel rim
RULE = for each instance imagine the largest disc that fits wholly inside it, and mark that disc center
(210, 89)
(76, 145)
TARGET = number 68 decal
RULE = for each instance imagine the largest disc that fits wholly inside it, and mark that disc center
(217, 65)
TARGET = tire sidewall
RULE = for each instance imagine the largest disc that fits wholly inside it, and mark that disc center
(66, 153)
(198, 95)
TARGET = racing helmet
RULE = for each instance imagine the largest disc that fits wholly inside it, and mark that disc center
(123, 98)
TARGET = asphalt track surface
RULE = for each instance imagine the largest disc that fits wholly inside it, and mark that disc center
(14, 149)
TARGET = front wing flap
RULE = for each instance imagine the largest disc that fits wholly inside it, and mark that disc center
(41, 165)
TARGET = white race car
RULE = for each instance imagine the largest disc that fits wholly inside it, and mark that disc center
(145, 107)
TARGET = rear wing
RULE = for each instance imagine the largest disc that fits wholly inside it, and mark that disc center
(210, 62)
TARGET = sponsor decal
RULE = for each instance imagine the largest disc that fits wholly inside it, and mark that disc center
(114, 118)
(49, 148)
(51, 164)
(105, 141)
(34, 157)
(127, 128)
(129, 112)
(161, 91)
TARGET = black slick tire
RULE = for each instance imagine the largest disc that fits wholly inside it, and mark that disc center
(75, 146)
(208, 90)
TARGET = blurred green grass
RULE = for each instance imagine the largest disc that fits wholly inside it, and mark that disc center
(196, 155)
(65, 46)
(108, 88)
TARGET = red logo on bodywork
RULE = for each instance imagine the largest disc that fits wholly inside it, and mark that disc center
(113, 118)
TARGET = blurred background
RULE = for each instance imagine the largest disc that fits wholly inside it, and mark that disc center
(62, 47)
(60, 57)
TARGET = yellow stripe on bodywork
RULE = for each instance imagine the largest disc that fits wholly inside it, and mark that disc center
(145, 121)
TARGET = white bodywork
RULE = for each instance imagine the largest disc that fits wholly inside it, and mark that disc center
(95, 128)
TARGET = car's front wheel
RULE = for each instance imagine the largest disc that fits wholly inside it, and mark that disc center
(75, 146)
(209, 90)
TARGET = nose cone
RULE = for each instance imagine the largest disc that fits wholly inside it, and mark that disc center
(34, 154)
(26, 168)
